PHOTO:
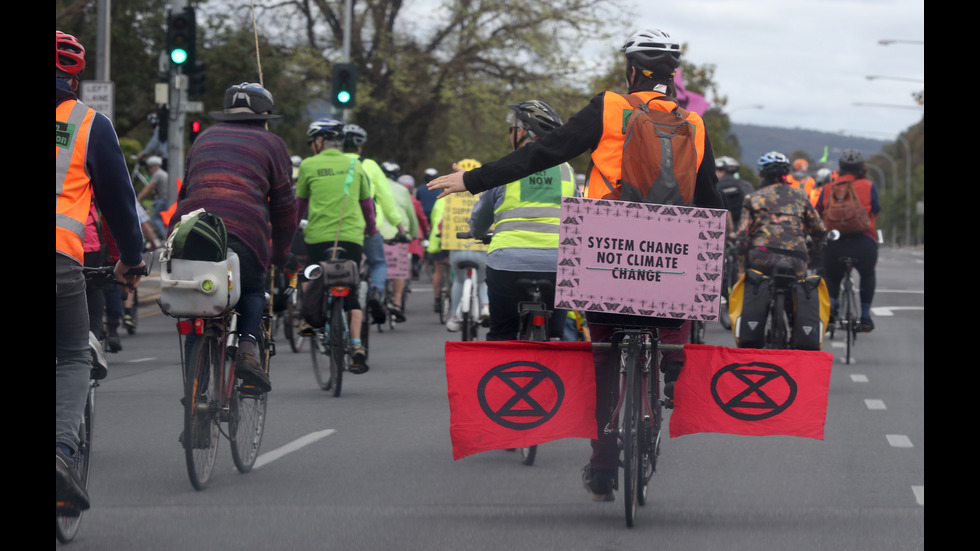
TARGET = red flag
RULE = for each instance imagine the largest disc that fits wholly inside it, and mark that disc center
(515, 394)
(752, 392)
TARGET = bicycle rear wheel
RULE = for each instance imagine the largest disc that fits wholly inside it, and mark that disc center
(850, 321)
(651, 431)
(630, 424)
(247, 418)
(292, 320)
(318, 351)
(339, 356)
(202, 402)
(67, 524)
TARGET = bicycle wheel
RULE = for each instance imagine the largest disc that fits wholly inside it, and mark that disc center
(778, 321)
(629, 426)
(320, 364)
(337, 346)
(67, 524)
(292, 320)
(201, 405)
(850, 320)
(650, 435)
(246, 422)
(132, 323)
(697, 332)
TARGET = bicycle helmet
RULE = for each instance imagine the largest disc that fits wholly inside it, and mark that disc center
(154, 161)
(247, 101)
(772, 165)
(800, 165)
(468, 164)
(354, 135)
(296, 160)
(69, 54)
(407, 180)
(430, 174)
(391, 169)
(727, 164)
(850, 160)
(652, 47)
(330, 129)
(824, 176)
(536, 116)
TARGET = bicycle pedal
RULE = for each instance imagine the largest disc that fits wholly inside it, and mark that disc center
(250, 390)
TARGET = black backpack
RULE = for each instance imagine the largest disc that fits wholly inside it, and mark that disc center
(199, 235)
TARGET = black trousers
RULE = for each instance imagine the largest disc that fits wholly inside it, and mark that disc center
(505, 294)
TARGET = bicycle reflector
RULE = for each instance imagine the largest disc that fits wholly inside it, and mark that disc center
(340, 291)
(538, 321)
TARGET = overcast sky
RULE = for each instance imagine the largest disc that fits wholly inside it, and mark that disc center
(805, 61)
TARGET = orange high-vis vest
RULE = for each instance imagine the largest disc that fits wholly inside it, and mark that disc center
(73, 186)
(806, 184)
(607, 159)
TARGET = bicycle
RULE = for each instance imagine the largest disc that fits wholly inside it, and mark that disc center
(469, 301)
(729, 276)
(333, 339)
(534, 317)
(637, 418)
(289, 297)
(848, 314)
(68, 519)
(130, 318)
(445, 303)
(212, 393)
(779, 322)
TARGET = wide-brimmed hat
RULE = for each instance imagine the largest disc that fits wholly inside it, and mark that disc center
(246, 102)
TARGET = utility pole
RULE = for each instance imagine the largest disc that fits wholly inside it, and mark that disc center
(176, 101)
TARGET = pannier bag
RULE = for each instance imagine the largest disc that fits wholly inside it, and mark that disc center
(336, 273)
(748, 306)
(811, 313)
(199, 288)
(199, 235)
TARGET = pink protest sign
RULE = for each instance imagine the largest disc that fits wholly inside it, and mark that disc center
(640, 259)
(397, 259)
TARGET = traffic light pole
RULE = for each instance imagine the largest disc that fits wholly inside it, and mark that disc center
(177, 102)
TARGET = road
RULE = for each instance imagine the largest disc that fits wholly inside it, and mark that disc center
(373, 469)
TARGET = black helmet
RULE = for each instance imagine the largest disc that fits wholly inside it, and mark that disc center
(536, 116)
(247, 101)
(851, 160)
(391, 169)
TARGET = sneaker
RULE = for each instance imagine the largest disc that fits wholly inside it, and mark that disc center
(599, 483)
(453, 324)
(128, 321)
(112, 342)
(358, 364)
(485, 315)
(306, 330)
(248, 368)
(865, 326)
(69, 492)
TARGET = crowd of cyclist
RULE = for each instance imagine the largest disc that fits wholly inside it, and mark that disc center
(242, 172)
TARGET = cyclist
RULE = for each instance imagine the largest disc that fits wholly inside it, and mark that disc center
(385, 210)
(824, 177)
(799, 178)
(862, 246)
(88, 164)
(776, 221)
(159, 186)
(525, 221)
(733, 189)
(426, 196)
(652, 57)
(416, 247)
(456, 257)
(336, 211)
(403, 200)
(158, 140)
(240, 171)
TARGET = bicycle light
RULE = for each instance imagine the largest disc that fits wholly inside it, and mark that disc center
(340, 291)
(538, 321)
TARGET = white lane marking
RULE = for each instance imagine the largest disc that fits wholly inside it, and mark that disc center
(920, 494)
(898, 441)
(138, 360)
(271, 456)
(890, 310)
(857, 378)
(875, 404)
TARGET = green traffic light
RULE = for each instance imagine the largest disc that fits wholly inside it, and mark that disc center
(343, 96)
(178, 55)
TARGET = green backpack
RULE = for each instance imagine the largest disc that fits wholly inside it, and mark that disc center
(199, 235)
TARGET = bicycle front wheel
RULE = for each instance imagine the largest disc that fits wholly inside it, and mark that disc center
(318, 351)
(631, 415)
(850, 320)
(247, 419)
(202, 402)
(67, 524)
(292, 320)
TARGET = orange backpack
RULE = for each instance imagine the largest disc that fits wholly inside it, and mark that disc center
(843, 211)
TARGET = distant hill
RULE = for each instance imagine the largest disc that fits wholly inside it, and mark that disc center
(756, 140)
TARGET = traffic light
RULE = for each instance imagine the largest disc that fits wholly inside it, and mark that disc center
(182, 37)
(344, 85)
(195, 130)
(195, 86)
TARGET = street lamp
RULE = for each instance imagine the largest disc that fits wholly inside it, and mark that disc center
(892, 105)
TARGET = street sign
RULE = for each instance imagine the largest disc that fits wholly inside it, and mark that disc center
(194, 107)
(99, 95)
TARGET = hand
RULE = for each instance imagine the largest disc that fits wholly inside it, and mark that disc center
(449, 183)
(121, 271)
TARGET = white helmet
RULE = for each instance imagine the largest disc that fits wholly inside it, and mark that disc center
(154, 161)
(651, 47)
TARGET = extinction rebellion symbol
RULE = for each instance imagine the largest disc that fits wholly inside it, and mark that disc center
(520, 395)
(753, 391)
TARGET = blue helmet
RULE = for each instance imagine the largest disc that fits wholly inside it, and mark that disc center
(773, 165)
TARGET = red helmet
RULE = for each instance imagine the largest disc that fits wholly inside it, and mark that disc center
(69, 54)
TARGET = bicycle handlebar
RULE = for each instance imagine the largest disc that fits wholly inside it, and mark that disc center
(469, 235)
